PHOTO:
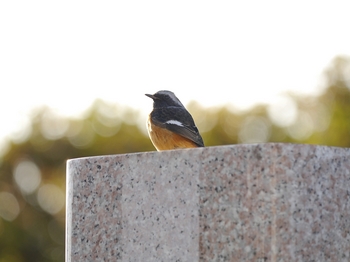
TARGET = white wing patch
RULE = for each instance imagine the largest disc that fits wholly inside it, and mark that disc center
(174, 122)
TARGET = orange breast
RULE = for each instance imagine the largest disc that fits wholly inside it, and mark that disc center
(164, 139)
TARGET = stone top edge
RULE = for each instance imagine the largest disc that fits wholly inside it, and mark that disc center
(223, 147)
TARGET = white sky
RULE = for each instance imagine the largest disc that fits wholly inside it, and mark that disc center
(68, 53)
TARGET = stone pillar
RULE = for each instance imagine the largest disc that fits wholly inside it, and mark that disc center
(257, 202)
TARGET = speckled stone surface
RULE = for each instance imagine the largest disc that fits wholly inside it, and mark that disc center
(263, 202)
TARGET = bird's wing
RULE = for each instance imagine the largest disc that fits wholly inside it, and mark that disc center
(179, 121)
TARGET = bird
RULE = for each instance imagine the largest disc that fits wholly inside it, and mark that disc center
(170, 126)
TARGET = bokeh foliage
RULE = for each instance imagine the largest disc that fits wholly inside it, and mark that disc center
(32, 171)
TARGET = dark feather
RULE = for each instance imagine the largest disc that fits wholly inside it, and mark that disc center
(188, 129)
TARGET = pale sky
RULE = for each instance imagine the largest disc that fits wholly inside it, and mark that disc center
(66, 54)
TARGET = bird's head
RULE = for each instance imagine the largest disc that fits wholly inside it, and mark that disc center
(165, 98)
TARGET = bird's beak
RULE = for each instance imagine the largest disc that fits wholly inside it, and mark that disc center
(151, 96)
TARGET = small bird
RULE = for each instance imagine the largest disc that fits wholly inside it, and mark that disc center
(170, 125)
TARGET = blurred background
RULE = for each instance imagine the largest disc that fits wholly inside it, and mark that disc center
(73, 75)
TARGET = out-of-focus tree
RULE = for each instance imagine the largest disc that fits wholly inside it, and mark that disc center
(336, 99)
(322, 120)
(32, 172)
(32, 175)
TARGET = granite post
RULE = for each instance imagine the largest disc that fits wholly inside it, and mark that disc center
(257, 202)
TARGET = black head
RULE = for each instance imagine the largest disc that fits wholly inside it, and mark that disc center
(165, 98)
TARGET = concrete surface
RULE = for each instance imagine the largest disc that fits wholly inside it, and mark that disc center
(257, 202)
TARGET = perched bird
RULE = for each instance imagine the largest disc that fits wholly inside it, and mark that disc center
(170, 125)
